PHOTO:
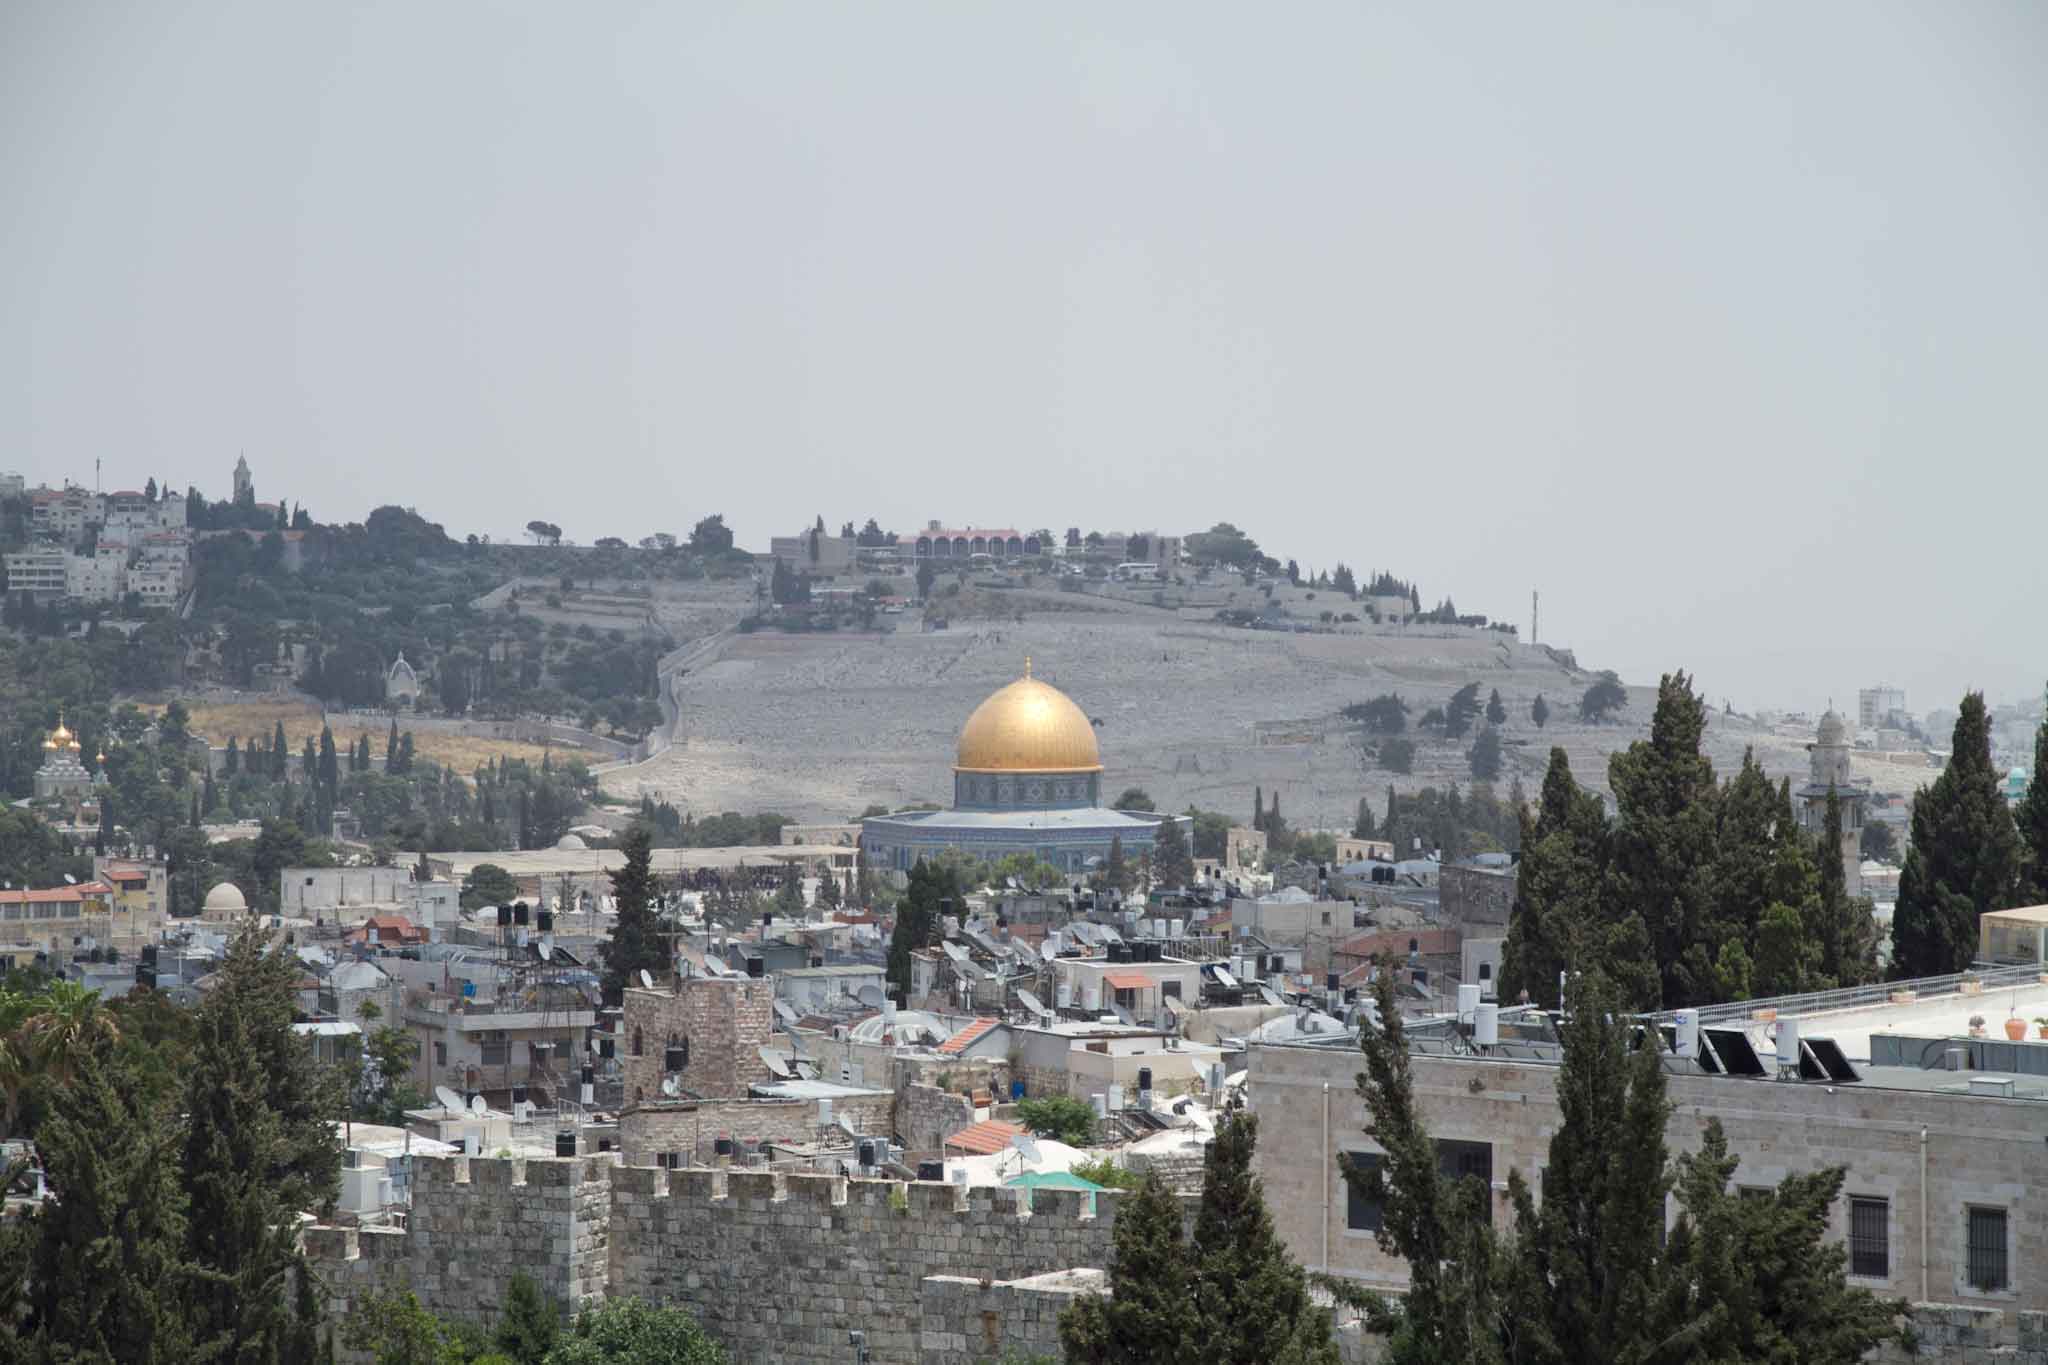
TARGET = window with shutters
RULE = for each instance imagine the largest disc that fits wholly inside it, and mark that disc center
(1870, 1252)
(497, 1054)
(1987, 1250)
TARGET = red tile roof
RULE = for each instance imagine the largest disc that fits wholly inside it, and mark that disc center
(1129, 981)
(982, 1139)
(958, 1042)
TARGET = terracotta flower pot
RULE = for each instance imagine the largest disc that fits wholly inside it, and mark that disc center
(2015, 1028)
(2041, 1030)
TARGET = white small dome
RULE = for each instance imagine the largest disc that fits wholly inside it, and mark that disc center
(227, 897)
(571, 843)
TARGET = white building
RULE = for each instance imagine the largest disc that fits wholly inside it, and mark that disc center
(349, 895)
(96, 577)
(40, 572)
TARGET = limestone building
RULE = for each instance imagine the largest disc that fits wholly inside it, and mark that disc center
(1027, 778)
(1944, 1167)
(1828, 770)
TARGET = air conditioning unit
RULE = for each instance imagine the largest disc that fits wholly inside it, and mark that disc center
(1992, 1087)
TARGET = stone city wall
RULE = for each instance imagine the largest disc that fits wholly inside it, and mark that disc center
(476, 1222)
(781, 1268)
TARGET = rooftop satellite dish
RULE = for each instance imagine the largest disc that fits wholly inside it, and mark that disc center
(70, 880)
(448, 1098)
(847, 1124)
(869, 995)
(1026, 1145)
(546, 950)
(647, 978)
(477, 1105)
(669, 1086)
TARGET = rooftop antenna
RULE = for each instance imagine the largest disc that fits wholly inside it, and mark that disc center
(1534, 618)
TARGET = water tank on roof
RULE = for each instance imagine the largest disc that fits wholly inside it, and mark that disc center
(1486, 1025)
(1686, 1033)
(1468, 1001)
(565, 1142)
(1788, 1043)
(755, 966)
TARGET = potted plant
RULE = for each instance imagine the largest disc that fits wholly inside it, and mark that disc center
(2041, 1026)
(2015, 1027)
(1976, 1026)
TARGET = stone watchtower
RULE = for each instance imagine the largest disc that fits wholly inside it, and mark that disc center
(716, 1026)
(1828, 769)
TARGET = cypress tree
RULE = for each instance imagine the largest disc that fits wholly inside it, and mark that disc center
(635, 943)
(1116, 873)
(1148, 1317)
(391, 748)
(2032, 818)
(1258, 807)
(1253, 1297)
(330, 764)
(232, 763)
(106, 1278)
(1665, 800)
(279, 755)
(405, 752)
(1759, 1276)
(1364, 827)
(1496, 710)
(259, 1149)
(1964, 857)
(1556, 920)
(1539, 711)
(1171, 859)
(932, 888)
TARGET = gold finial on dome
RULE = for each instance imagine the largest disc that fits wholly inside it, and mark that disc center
(1028, 727)
(1027, 665)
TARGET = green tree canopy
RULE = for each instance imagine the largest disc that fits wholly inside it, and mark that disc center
(1963, 858)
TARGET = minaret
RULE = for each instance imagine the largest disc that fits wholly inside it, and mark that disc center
(1828, 767)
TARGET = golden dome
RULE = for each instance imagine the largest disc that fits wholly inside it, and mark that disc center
(1028, 727)
(60, 738)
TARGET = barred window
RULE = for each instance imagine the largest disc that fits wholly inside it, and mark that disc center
(1988, 1270)
(1870, 1251)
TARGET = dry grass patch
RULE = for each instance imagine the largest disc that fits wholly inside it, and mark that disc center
(248, 720)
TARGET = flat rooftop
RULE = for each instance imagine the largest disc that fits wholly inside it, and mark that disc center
(535, 862)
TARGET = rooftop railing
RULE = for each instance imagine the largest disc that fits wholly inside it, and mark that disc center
(1865, 997)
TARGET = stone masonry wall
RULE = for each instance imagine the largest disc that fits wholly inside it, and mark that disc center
(475, 1223)
(781, 1268)
(725, 1020)
(927, 1116)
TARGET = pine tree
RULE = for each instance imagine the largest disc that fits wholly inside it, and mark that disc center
(1539, 711)
(1172, 861)
(2031, 816)
(635, 943)
(106, 1278)
(789, 897)
(1964, 857)
(1253, 1296)
(1148, 1317)
(1496, 710)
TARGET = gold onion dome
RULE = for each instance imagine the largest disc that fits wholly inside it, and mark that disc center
(1028, 727)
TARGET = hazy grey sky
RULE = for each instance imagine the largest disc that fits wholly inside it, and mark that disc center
(1727, 326)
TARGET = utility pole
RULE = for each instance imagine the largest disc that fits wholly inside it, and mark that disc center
(1534, 618)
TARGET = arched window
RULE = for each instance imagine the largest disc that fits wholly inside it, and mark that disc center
(639, 1094)
(639, 1044)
